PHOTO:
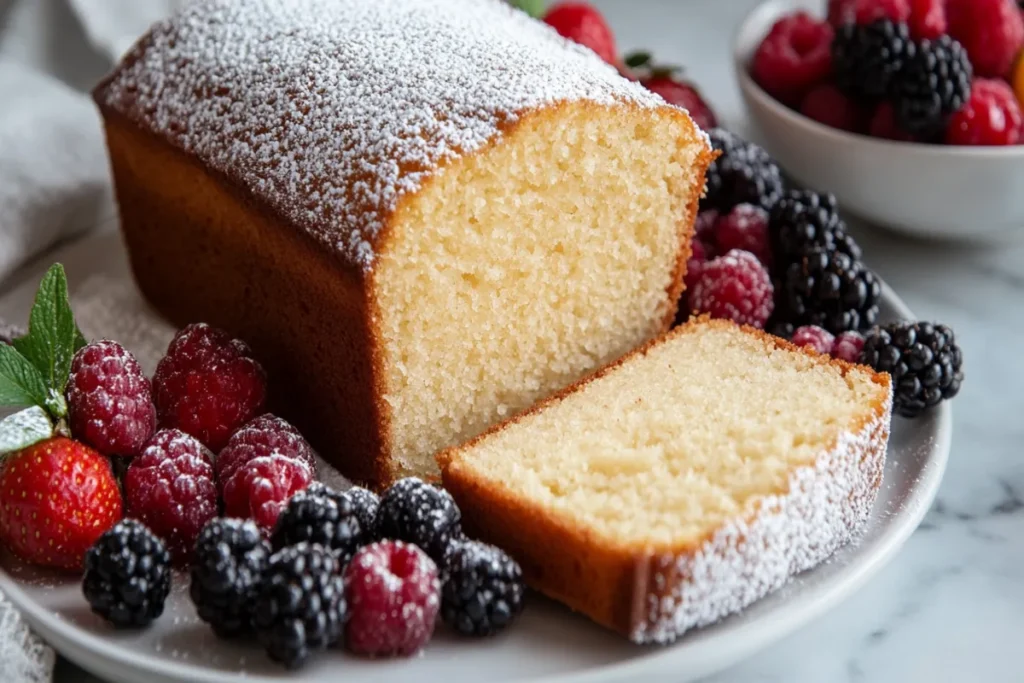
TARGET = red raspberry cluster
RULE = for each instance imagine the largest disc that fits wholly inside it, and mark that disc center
(929, 71)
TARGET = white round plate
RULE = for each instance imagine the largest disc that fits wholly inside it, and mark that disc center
(548, 644)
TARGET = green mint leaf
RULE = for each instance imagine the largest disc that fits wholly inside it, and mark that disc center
(535, 8)
(635, 60)
(80, 339)
(21, 384)
(22, 429)
(52, 336)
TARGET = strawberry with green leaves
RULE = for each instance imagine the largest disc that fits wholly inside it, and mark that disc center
(57, 495)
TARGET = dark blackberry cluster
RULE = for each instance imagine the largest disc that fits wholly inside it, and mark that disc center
(934, 83)
(230, 558)
(367, 504)
(804, 220)
(412, 510)
(923, 359)
(484, 590)
(867, 58)
(321, 515)
(818, 276)
(300, 606)
(828, 289)
(127, 575)
(743, 174)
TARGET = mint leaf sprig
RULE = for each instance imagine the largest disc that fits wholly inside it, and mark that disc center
(34, 369)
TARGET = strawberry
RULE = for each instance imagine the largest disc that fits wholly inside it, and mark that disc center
(665, 81)
(58, 496)
(582, 23)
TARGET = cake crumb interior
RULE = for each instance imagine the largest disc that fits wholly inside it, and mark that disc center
(517, 270)
(671, 445)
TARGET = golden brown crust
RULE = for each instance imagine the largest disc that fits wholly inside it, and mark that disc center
(617, 586)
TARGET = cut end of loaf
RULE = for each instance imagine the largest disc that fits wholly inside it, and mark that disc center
(521, 268)
(683, 483)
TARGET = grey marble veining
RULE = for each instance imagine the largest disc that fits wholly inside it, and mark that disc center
(950, 607)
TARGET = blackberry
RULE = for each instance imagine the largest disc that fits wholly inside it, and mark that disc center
(300, 605)
(828, 289)
(925, 363)
(416, 512)
(866, 59)
(483, 590)
(803, 221)
(230, 558)
(320, 515)
(934, 84)
(127, 575)
(367, 503)
(743, 174)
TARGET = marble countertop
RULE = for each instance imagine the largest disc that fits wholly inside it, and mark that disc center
(950, 607)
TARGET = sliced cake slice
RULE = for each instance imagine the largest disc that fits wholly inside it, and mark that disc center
(684, 482)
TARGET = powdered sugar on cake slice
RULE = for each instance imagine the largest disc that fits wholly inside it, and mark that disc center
(331, 110)
(826, 507)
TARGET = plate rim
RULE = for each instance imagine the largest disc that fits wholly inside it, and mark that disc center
(95, 654)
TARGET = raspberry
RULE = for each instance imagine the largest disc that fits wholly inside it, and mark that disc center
(262, 436)
(927, 19)
(735, 286)
(583, 24)
(992, 116)
(170, 488)
(483, 590)
(699, 252)
(883, 124)
(683, 95)
(867, 11)
(260, 488)
(991, 30)
(828, 105)
(231, 556)
(704, 226)
(110, 403)
(848, 347)
(416, 512)
(815, 338)
(393, 594)
(794, 57)
(745, 228)
(208, 385)
(300, 604)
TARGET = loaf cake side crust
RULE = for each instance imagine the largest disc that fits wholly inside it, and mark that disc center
(654, 595)
(201, 248)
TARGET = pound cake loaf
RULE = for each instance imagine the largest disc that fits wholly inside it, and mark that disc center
(684, 482)
(424, 216)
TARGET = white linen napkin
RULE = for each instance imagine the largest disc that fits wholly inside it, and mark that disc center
(114, 25)
(54, 178)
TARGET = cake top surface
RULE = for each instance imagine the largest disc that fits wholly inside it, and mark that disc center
(331, 110)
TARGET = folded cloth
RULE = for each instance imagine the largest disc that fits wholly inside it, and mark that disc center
(54, 176)
(114, 25)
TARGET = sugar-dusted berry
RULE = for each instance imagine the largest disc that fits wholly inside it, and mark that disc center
(110, 402)
(736, 287)
(393, 590)
(208, 385)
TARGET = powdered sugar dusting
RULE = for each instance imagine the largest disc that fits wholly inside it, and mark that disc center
(331, 110)
(827, 507)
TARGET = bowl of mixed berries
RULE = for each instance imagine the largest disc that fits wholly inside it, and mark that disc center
(909, 111)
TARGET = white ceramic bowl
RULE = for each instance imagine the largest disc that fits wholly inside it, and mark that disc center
(964, 193)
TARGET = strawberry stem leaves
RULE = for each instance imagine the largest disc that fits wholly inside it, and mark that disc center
(535, 8)
(21, 384)
(50, 345)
